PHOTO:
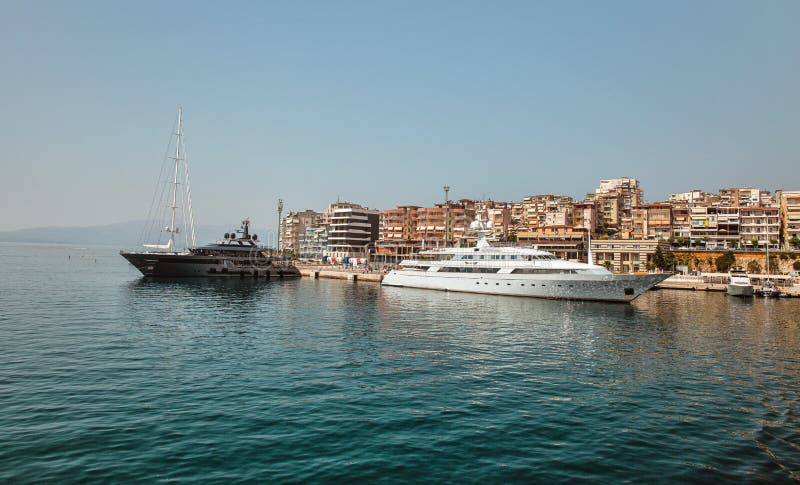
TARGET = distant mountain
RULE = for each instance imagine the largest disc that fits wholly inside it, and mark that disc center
(123, 234)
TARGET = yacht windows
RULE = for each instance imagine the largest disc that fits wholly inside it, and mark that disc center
(451, 269)
(543, 271)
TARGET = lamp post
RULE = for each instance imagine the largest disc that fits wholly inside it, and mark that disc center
(446, 214)
(280, 213)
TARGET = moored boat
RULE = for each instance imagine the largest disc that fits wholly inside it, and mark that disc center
(238, 254)
(517, 272)
(739, 284)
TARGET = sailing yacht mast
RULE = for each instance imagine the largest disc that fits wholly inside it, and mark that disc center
(174, 205)
(185, 202)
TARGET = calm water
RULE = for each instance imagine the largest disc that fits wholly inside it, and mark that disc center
(106, 376)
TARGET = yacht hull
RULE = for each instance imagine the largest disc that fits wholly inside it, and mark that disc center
(740, 290)
(181, 265)
(617, 288)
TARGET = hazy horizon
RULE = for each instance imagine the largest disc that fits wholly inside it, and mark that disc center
(383, 104)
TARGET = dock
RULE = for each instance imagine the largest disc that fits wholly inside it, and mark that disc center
(336, 273)
(719, 282)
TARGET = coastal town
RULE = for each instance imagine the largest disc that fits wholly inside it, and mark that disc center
(691, 232)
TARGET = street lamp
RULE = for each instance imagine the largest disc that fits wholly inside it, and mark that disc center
(280, 212)
(446, 214)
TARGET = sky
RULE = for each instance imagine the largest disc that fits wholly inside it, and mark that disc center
(383, 103)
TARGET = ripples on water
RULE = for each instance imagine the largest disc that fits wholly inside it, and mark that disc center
(105, 375)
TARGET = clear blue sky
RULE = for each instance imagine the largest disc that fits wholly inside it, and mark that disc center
(383, 103)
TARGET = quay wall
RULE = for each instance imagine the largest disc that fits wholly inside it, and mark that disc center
(719, 282)
(703, 261)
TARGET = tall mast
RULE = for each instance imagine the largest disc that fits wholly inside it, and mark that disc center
(175, 177)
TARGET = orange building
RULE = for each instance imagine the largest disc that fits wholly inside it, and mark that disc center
(651, 221)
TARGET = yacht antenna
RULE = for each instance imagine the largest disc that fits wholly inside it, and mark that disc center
(589, 246)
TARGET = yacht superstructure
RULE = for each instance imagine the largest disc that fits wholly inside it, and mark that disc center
(517, 272)
(739, 284)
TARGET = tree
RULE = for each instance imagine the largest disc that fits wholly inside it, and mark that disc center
(607, 264)
(796, 265)
(795, 242)
(754, 242)
(753, 267)
(725, 261)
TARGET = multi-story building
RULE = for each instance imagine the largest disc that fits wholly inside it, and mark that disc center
(584, 216)
(681, 221)
(293, 225)
(533, 209)
(651, 221)
(744, 197)
(352, 230)
(566, 241)
(409, 229)
(761, 224)
(398, 233)
(615, 199)
(691, 197)
(789, 201)
(609, 215)
(313, 242)
(626, 256)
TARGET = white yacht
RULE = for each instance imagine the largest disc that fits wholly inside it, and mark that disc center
(739, 284)
(518, 272)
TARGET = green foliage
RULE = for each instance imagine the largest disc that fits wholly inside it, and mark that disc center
(753, 267)
(607, 264)
(784, 256)
(796, 266)
(725, 261)
(659, 260)
(754, 242)
(795, 242)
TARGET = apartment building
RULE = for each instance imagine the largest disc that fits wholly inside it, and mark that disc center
(584, 216)
(626, 256)
(352, 230)
(409, 229)
(533, 209)
(565, 241)
(313, 242)
(293, 225)
(758, 223)
(789, 203)
(651, 221)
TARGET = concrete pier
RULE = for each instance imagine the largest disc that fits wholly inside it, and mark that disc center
(340, 274)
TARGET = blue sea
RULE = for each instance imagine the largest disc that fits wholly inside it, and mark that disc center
(109, 377)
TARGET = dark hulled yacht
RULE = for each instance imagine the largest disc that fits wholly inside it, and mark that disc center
(238, 254)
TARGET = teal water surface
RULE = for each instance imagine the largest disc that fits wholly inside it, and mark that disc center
(105, 376)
